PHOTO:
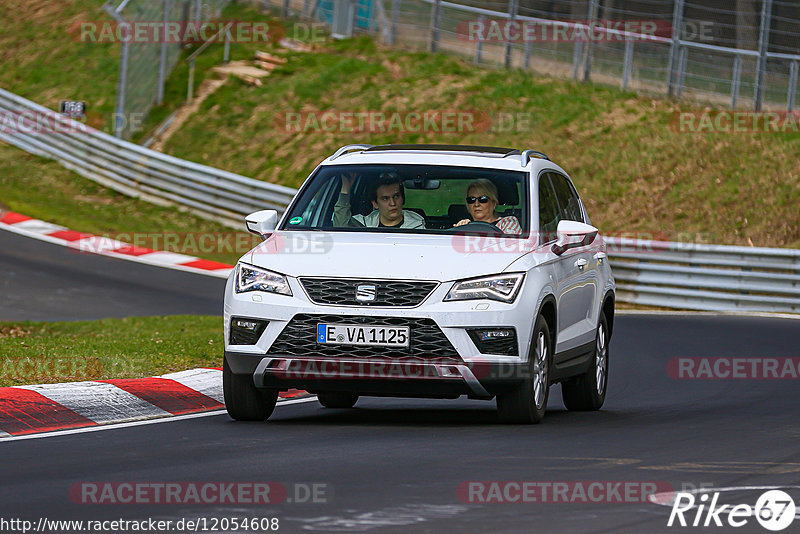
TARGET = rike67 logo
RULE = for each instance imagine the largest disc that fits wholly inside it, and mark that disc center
(774, 510)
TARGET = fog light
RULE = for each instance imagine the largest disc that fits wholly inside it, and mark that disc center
(246, 331)
(501, 341)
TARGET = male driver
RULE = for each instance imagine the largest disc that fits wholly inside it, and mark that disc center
(387, 195)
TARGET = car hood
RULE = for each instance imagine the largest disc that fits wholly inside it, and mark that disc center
(384, 255)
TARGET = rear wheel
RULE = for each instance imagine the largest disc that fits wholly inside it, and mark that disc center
(243, 400)
(337, 400)
(527, 404)
(587, 392)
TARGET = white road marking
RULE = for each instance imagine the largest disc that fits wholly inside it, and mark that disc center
(387, 517)
(206, 381)
(115, 426)
(98, 401)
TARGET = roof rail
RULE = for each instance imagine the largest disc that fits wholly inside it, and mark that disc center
(483, 150)
(349, 148)
(528, 154)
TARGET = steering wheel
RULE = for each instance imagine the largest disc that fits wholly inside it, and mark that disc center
(478, 227)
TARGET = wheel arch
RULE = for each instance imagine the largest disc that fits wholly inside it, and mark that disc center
(608, 311)
(549, 311)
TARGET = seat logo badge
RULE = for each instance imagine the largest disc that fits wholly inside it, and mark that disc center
(366, 292)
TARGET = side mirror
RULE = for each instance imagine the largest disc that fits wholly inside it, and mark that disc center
(262, 222)
(572, 234)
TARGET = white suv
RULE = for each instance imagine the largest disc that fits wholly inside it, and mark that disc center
(423, 271)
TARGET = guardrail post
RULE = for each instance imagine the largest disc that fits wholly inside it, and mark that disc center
(626, 68)
(577, 54)
(737, 76)
(792, 86)
(479, 40)
(162, 65)
(395, 17)
(684, 52)
(436, 13)
(122, 79)
(226, 55)
(528, 53)
(190, 89)
(677, 29)
(763, 48)
(512, 17)
(588, 47)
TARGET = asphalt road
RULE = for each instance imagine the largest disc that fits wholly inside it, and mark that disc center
(394, 465)
(47, 282)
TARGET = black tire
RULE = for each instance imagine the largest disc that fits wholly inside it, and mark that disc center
(337, 400)
(243, 401)
(587, 392)
(520, 406)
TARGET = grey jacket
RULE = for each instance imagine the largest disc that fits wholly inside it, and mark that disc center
(342, 216)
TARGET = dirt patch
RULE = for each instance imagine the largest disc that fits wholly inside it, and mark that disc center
(13, 332)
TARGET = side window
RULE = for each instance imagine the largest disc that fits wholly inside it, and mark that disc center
(569, 204)
(548, 209)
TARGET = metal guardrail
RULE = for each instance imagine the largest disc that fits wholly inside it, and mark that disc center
(134, 170)
(656, 273)
(706, 277)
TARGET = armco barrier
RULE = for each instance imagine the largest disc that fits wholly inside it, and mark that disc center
(706, 277)
(656, 273)
(134, 170)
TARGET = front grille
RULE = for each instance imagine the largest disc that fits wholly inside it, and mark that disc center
(342, 291)
(299, 338)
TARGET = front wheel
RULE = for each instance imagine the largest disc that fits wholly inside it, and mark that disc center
(528, 403)
(243, 400)
(337, 400)
(587, 392)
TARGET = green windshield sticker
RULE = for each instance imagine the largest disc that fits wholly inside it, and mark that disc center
(295, 220)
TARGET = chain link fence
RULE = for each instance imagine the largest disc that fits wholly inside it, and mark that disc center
(146, 63)
(741, 53)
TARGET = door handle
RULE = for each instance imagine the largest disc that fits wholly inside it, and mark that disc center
(600, 257)
(581, 263)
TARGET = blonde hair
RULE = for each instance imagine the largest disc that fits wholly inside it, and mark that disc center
(482, 186)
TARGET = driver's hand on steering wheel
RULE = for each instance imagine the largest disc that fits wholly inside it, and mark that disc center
(462, 222)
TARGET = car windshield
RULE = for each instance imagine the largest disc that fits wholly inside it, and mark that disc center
(413, 199)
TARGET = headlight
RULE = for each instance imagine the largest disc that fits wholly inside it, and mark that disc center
(249, 278)
(502, 287)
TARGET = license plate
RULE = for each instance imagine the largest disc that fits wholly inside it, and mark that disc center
(357, 334)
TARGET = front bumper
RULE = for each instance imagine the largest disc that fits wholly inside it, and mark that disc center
(380, 377)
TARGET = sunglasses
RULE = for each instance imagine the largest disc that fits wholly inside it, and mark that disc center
(482, 199)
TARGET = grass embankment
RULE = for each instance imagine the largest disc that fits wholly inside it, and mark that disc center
(635, 171)
(41, 353)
